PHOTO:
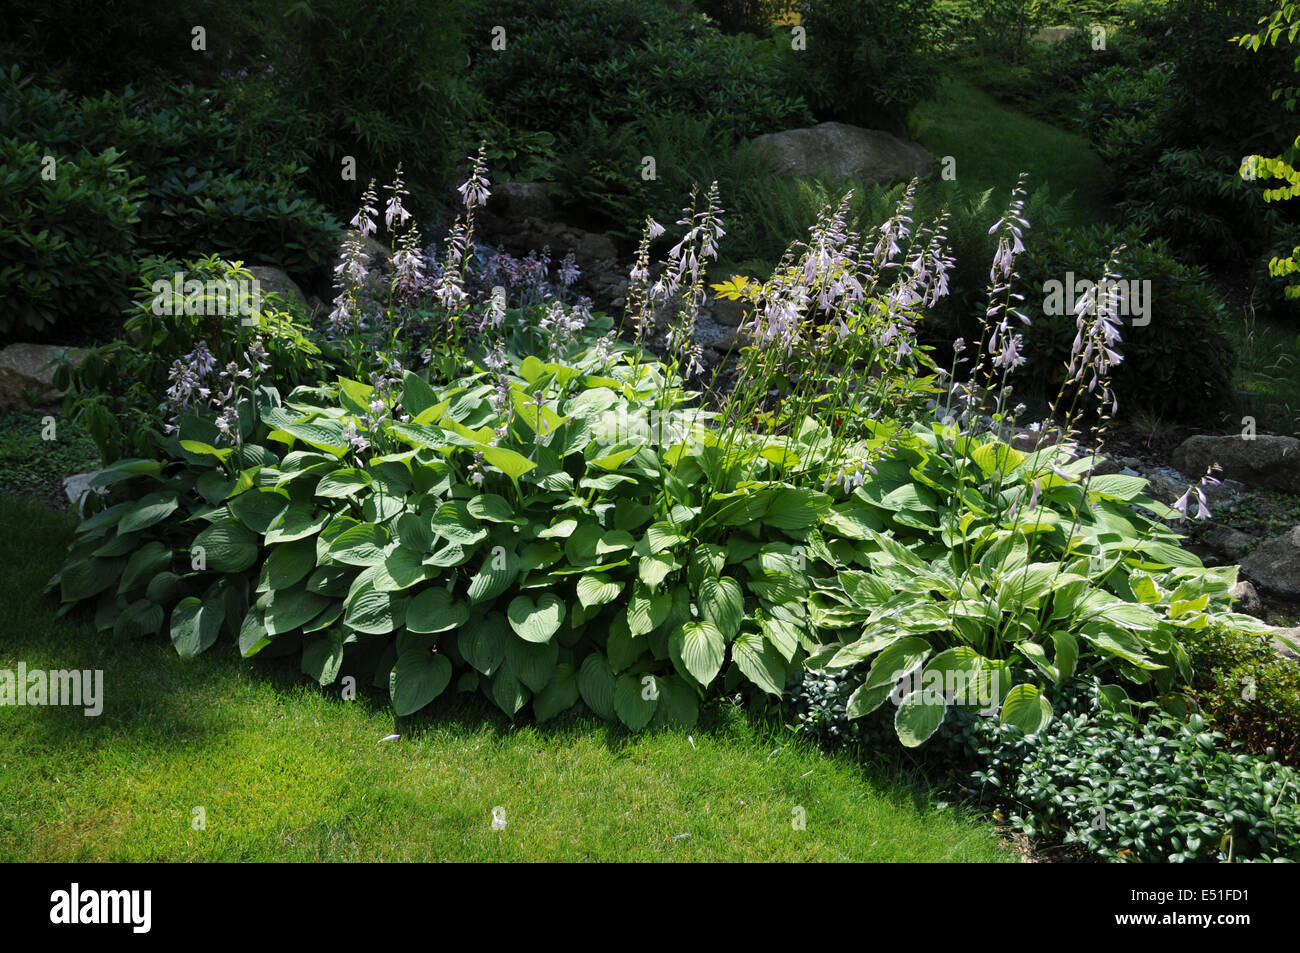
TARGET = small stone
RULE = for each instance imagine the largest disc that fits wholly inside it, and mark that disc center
(1246, 599)
(1232, 543)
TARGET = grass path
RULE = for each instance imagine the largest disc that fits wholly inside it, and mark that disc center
(286, 771)
(992, 143)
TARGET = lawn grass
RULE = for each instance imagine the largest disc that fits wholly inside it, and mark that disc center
(286, 771)
(992, 143)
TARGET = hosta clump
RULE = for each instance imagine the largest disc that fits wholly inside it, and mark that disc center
(555, 546)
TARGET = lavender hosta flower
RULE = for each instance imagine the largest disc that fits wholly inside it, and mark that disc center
(356, 440)
(474, 192)
(201, 359)
(364, 220)
(393, 208)
(256, 354)
(1009, 356)
(408, 262)
(1094, 351)
(569, 271)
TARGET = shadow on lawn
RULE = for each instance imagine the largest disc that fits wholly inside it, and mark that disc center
(154, 697)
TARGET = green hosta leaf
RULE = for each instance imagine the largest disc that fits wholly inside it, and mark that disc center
(897, 660)
(148, 561)
(369, 610)
(434, 610)
(1027, 709)
(484, 644)
(297, 522)
(722, 603)
(876, 638)
(652, 570)
(291, 609)
(418, 677)
(646, 612)
(854, 522)
(453, 523)
(597, 591)
(596, 685)
(533, 663)
(500, 568)
(1118, 486)
(865, 589)
(678, 705)
(508, 692)
(866, 699)
(509, 462)
(1067, 653)
(141, 617)
(559, 695)
(86, 577)
(228, 546)
(288, 564)
(635, 700)
(796, 509)
(195, 626)
(322, 657)
(343, 483)
(760, 662)
(149, 509)
(697, 649)
(401, 569)
(536, 621)
(360, 545)
(919, 716)
(490, 507)
(258, 509)
(253, 636)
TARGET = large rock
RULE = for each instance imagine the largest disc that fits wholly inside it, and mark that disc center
(1275, 565)
(867, 155)
(271, 280)
(1285, 642)
(519, 200)
(25, 381)
(1228, 542)
(1266, 461)
(1246, 599)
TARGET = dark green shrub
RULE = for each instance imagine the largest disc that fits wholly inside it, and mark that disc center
(869, 61)
(66, 243)
(381, 85)
(568, 62)
(194, 195)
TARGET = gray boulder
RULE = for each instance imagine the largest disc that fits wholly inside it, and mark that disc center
(1275, 565)
(1268, 462)
(271, 280)
(1228, 542)
(867, 155)
(1246, 599)
(25, 381)
(519, 200)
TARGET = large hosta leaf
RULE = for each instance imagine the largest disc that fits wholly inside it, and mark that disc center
(227, 546)
(536, 621)
(919, 715)
(1027, 709)
(418, 677)
(697, 649)
(635, 699)
(195, 625)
